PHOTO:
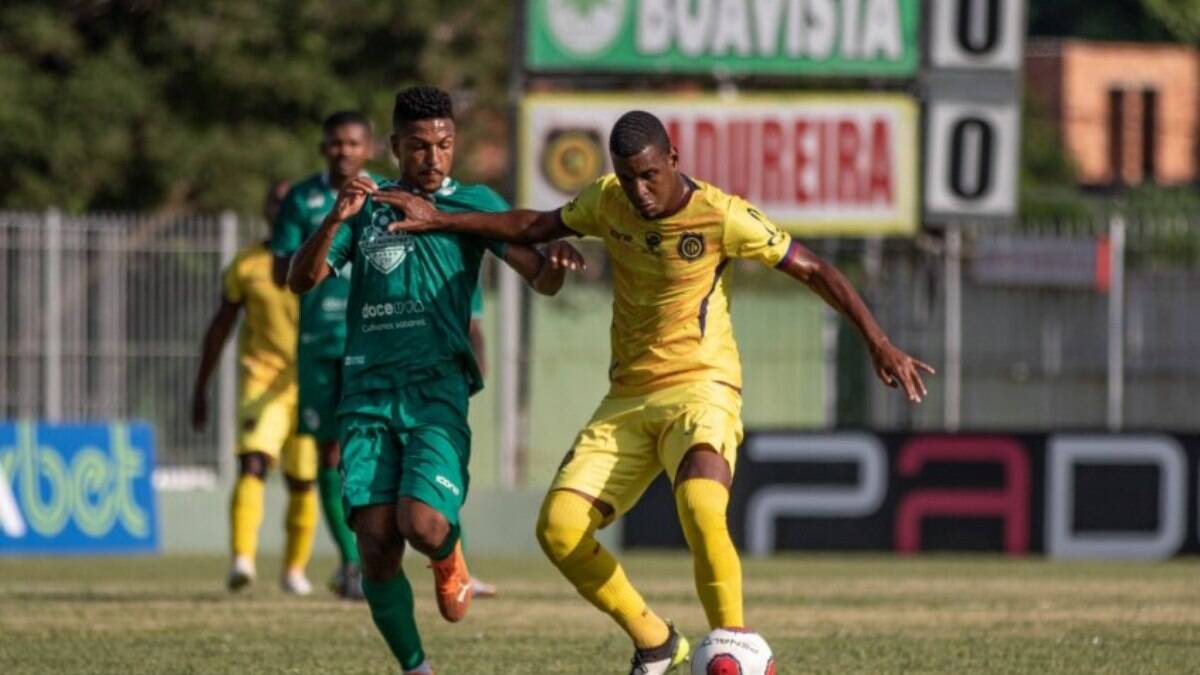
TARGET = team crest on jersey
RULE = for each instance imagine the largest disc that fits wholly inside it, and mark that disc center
(691, 246)
(653, 241)
(385, 250)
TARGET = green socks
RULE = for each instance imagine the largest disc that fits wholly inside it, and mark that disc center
(329, 483)
(391, 605)
(447, 546)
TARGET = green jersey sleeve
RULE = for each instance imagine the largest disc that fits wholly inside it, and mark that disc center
(287, 232)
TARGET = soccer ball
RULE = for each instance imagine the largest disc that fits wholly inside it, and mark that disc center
(733, 652)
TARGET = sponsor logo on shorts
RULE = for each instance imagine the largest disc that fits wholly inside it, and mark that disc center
(355, 361)
(312, 418)
(445, 482)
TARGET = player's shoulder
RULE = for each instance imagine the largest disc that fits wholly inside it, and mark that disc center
(476, 195)
(249, 258)
(712, 202)
(305, 189)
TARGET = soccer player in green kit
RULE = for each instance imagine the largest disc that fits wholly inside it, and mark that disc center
(346, 146)
(409, 367)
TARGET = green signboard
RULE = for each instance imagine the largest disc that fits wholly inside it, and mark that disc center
(873, 38)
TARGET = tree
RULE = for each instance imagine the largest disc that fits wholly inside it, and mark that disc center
(1181, 17)
(186, 106)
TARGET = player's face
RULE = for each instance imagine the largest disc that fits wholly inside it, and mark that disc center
(425, 149)
(346, 149)
(650, 180)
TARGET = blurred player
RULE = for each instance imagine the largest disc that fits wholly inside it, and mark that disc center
(266, 409)
(409, 366)
(675, 400)
(346, 146)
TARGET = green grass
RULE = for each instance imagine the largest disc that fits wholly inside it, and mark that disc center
(822, 614)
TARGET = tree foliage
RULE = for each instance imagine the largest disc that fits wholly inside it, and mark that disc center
(1181, 17)
(196, 104)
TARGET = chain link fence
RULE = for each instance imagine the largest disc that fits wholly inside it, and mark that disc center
(103, 316)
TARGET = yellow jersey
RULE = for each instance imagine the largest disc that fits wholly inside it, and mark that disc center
(671, 278)
(267, 341)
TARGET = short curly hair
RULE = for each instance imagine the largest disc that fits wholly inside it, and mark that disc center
(636, 131)
(421, 103)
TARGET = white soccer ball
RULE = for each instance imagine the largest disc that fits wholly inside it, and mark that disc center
(733, 652)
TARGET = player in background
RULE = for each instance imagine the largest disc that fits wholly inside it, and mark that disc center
(675, 397)
(409, 366)
(346, 146)
(266, 410)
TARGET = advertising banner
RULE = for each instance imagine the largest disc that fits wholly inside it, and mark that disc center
(816, 164)
(77, 488)
(873, 38)
(1066, 495)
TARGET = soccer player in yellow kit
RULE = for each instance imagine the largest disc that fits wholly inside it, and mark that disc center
(675, 399)
(268, 397)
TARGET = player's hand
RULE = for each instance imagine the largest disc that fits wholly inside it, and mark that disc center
(199, 412)
(564, 256)
(419, 212)
(351, 198)
(898, 369)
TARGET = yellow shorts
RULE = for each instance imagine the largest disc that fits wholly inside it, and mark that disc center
(267, 421)
(630, 440)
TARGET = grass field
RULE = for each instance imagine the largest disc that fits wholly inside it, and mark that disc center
(822, 614)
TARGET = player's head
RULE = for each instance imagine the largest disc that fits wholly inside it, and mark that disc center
(274, 200)
(645, 162)
(346, 143)
(423, 136)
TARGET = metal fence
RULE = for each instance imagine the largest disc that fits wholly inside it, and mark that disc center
(102, 317)
(1044, 326)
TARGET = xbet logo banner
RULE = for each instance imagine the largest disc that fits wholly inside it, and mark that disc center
(876, 38)
(77, 488)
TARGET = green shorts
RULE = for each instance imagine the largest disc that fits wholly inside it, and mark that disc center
(407, 442)
(320, 391)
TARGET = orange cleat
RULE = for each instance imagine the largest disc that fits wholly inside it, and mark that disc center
(452, 582)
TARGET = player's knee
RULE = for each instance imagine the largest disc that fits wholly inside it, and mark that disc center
(296, 485)
(424, 528)
(331, 454)
(253, 464)
(561, 527)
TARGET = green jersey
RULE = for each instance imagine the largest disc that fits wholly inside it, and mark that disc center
(323, 310)
(409, 308)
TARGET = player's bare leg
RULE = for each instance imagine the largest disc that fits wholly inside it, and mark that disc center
(430, 533)
(566, 530)
(387, 590)
(701, 499)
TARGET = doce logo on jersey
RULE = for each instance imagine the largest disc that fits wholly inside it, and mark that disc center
(385, 250)
(585, 27)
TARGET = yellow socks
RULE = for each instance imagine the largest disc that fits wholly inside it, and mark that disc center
(566, 529)
(702, 504)
(301, 527)
(246, 514)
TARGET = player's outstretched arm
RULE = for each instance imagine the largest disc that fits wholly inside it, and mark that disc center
(893, 366)
(309, 266)
(544, 270)
(520, 226)
(215, 337)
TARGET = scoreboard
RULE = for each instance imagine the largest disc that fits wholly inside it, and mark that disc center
(919, 122)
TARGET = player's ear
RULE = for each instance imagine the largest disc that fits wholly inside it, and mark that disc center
(673, 158)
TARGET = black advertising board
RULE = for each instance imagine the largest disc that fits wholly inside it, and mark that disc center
(1071, 495)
